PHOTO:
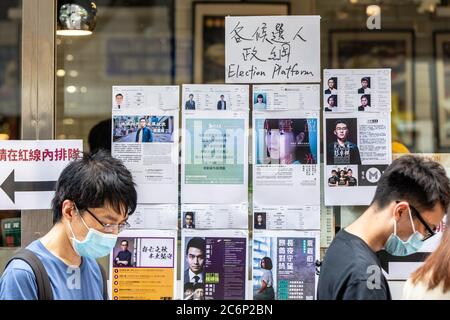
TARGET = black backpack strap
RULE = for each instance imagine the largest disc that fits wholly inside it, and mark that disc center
(105, 282)
(44, 289)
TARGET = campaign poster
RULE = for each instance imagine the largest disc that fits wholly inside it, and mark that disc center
(143, 265)
(214, 264)
(283, 264)
(357, 151)
(286, 156)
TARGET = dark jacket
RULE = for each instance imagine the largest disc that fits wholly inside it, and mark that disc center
(147, 135)
(189, 105)
(355, 157)
(219, 105)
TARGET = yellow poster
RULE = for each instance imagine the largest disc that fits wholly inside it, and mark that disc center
(143, 265)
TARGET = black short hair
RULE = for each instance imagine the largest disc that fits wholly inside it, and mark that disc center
(100, 136)
(334, 80)
(332, 96)
(222, 96)
(340, 121)
(260, 96)
(119, 95)
(142, 118)
(190, 94)
(189, 213)
(267, 263)
(349, 170)
(196, 242)
(94, 181)
(367, 96)
(333, 171)
(365, 79)
(420, 181)
(188, 286)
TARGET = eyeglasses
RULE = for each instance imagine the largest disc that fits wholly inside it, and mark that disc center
(430, 232)
(108, 227)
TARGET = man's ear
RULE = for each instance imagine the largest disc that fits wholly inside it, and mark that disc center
(400, 209)
(68, 210)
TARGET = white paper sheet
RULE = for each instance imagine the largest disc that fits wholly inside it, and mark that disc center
(272, 49)
(353, 169)
(327, 230)
(286, 97)
(214, 161)
(286, 156)
(199, 97)
(154, 216)
(214, 216)
(360, 90)
(281, 217)
(150, 153)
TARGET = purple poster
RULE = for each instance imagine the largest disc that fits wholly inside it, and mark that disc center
(216, 267)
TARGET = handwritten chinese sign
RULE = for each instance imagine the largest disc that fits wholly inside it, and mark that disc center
(272, 49)
(157, 253)
(29, 171)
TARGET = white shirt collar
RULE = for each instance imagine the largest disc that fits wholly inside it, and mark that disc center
(192, 275)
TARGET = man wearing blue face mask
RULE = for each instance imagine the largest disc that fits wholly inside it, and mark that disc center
(93, 200)
(410, 201)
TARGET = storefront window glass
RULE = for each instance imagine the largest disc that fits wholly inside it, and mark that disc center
(132, 44)
(10, 109)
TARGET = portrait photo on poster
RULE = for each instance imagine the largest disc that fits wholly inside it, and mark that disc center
(365, 85)
(194, 273)
(259, 220)
(123, 253)
(222, 103)
(286, 141)
(331, 102)
(332, 83)
(143, 129)
(341, 138)
(118, 101)
(364, 102)
(190, 102)
(259, 101)
(189, 220)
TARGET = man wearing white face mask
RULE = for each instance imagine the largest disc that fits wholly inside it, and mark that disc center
(410, 201)
(93, 199)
